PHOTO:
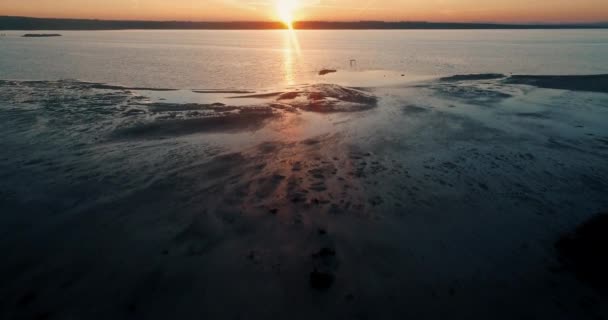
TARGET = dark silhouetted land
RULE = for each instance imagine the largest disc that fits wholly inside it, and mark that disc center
(27, 23)
(41, 35)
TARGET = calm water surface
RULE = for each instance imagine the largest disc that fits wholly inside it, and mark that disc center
(263, 59)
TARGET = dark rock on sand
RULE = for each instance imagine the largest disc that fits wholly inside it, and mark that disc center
(321, 280)
(325, 264)
(592, 83)
(324, 253)
(585, 252)
(326, 71)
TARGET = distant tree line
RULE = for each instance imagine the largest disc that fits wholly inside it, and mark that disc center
(26, 23)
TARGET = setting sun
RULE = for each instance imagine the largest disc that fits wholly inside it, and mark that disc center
(285, 11)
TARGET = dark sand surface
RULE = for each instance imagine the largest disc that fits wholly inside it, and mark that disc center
(434, 200)
(595, 83)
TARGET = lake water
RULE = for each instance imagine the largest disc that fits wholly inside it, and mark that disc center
(263, 59)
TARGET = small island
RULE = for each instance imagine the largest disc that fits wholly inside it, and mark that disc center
(41, 35)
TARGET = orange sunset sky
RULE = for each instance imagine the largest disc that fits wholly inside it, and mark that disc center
(330, 10)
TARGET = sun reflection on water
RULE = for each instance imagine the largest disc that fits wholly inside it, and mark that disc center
(291, 52)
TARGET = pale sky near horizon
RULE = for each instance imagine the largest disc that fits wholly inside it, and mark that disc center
(517, 11)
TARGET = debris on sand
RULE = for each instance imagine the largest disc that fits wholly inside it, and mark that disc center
(41, 35)
(327, 71)
(585, 251)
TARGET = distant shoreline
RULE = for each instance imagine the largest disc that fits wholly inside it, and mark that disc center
(28, 23)
(41, 35)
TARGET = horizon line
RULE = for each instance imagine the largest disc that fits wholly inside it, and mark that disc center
(49, 23)
(317, 21)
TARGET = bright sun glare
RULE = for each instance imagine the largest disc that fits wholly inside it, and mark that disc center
(285, 11)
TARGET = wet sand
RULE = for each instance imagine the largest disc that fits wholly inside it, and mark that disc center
(428, 200)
